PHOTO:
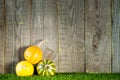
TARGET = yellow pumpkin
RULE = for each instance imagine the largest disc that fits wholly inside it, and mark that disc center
(33, 54)
(24, 68)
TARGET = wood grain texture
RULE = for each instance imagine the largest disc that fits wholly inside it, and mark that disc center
(98, 35)
(44, 16)
(50, 29)
(23, 23)
(116, 37)
(2, 35)
(71, 35)
(11, 58)
(78, 31)
(37, 21)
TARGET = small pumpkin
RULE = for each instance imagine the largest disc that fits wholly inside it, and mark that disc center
(33, 54)
(46, 67)
(24, 68)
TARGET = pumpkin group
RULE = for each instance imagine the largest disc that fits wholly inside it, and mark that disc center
(33, 54)
(46, 67)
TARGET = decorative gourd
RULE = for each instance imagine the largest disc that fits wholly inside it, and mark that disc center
(24, 68)
(33, 54)
(46, 67)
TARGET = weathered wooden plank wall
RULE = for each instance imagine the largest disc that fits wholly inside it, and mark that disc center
(116, 37)
(78, 31)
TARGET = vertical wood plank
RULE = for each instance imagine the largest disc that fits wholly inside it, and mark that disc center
(37, 21)
(2, 35)
(71, 35)
(44, 16)
(11, 58)
(116, 37)
(23, 22)
(50, 29)
(17, 29)
(98, 35)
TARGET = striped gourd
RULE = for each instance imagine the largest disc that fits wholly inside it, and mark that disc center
(46, 67)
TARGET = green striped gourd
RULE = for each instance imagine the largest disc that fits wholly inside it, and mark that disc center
(46, 67)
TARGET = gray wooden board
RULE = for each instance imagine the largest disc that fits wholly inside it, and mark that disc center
(2, 35)
(50, 29)
(37, 21)
(116, 37)
(71, 35)
(98, 35)
(11, 58)
(23, 20)
(44, 21)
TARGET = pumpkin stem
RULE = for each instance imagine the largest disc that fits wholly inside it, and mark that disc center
(43, 41)
(46, 66)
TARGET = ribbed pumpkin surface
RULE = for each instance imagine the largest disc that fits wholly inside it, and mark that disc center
(33, 54)
(46, 67)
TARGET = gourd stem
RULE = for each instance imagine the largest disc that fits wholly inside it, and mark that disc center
(46, 66)
(43, 41)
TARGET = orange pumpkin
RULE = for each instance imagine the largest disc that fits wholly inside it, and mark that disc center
(33, 54)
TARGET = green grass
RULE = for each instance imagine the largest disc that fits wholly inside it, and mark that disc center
(64, 76)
